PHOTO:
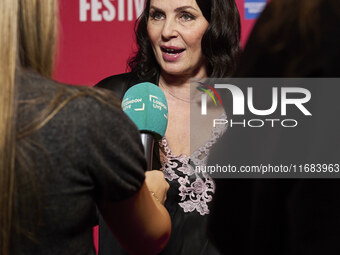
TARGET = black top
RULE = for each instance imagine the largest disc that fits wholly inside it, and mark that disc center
(188, 236)
(88, 152)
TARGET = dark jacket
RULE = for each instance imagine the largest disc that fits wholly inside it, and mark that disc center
(119, 84)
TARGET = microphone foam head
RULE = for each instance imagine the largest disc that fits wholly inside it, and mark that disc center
(146, 106)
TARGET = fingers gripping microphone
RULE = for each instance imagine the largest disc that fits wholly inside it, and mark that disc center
(146, 106)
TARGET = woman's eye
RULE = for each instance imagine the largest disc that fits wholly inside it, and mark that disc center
(187, 16)
(157, 15)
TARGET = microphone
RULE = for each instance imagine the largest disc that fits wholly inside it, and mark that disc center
(146, 106)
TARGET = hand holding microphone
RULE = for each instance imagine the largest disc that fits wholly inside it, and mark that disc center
(157, 184)
(146, 106)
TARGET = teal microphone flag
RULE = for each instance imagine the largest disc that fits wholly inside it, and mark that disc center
(146, 106)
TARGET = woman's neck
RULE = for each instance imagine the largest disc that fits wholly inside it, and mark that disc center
(182, 80)
(179, 89)
(180, 85)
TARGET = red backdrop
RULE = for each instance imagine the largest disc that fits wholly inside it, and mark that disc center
(96, 38)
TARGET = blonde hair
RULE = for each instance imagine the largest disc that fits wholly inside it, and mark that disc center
(27, 40)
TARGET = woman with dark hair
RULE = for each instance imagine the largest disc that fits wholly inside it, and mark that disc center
(180, 40)
(56, 164)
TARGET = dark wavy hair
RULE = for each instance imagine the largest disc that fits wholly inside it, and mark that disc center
(220, 43)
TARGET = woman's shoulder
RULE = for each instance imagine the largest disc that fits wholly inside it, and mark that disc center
(120, 83)
(113, 80)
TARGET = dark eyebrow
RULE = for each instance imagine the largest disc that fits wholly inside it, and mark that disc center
(183, 8)
(179, 9)
(153, 7)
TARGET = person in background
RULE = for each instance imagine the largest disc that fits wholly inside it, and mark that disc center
(56, 164)
(285, 216)
(180, 40)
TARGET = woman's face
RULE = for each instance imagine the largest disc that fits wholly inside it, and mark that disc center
(175, 29)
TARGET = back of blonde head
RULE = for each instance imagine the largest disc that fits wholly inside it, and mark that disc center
(27, 40)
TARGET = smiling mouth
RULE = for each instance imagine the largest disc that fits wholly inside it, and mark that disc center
(171, 51)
